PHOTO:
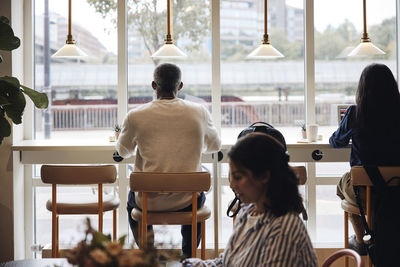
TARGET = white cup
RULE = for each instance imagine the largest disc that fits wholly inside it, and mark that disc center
(312, 132)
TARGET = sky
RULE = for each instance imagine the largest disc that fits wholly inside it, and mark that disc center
(332, 12)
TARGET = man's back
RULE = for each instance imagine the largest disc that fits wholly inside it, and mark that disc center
(170, 136)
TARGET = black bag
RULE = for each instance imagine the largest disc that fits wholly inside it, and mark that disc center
(260, 126)
(383, 245)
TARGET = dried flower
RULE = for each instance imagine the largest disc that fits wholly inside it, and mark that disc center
(100, 256)
(97, 250)
(113, 248)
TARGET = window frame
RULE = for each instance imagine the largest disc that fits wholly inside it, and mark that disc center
(24, 67)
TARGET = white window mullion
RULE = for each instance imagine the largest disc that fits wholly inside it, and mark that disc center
(309, 62)
(122, 100)
(309, 79)
(216, 110)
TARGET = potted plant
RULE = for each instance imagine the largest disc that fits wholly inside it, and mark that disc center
(117, 130)
(302, 125)
(12, 100)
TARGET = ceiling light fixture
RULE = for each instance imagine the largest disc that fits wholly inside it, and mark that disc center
(265, 50)
(168, 50)
(366, 47)
(69, 50)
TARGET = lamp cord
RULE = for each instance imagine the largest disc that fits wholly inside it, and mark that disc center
(365, 15)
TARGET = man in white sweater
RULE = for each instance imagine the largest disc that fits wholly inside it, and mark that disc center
(169, 135)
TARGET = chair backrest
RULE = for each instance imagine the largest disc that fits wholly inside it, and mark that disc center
(170, 182)
(301, 173)
(64, 174)
(360, 177)
(342, 253)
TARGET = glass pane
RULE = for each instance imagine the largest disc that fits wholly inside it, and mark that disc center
(191, 32)
(82, 91)
(269, 90)
(337, 31)
(330, 217)
(332, 169)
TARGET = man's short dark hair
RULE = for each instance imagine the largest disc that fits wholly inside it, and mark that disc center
(167, 76)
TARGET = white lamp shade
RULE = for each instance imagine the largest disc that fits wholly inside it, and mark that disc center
(168, 51)
(69, 51)
(365, 49)
(265, 51)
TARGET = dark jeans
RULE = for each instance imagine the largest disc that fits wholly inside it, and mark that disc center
(186, 230)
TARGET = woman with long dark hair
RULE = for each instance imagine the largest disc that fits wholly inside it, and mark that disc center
(268, 230)
(373, 125)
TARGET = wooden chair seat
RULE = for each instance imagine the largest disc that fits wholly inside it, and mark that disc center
(85, 204)
(172, 218)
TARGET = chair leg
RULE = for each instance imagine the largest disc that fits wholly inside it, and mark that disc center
(100, 211)
(139, 241)
(203, 240)
(54, 222)
(346, 236)
(58, 237)
(114, 225)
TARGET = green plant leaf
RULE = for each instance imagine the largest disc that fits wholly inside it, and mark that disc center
(121, 240)
(8, 41)
(15, 109)
(10, 89)
(5, 127)
(12, 82)
(100, 240)
(39, 99)
(3, 101)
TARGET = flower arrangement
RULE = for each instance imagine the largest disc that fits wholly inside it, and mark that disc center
(97, 249)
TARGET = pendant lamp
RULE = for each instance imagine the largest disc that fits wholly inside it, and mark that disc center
(366, 47)
(168, 50)
(69, 50)
(265, 50)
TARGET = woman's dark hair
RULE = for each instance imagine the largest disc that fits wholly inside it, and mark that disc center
(259, 153)
(378, 98)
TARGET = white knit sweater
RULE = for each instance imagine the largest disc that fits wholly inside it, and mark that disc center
(170, 136)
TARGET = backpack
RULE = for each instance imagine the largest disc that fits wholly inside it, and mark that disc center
(383, 242)
(259, 126)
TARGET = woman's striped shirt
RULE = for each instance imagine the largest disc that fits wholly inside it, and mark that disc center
(272, 241)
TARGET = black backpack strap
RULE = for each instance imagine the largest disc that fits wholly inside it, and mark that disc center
(232, 205)
(261, 122)
(360, 207)
(376, 177)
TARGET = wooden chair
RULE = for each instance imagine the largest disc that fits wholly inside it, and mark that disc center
(359, 177)
(79, 175)
(194, 182)
(343, 253)
(301, 173)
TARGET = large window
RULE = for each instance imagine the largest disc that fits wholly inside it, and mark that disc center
(82, 93)
(87, 94)
(261, 90)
